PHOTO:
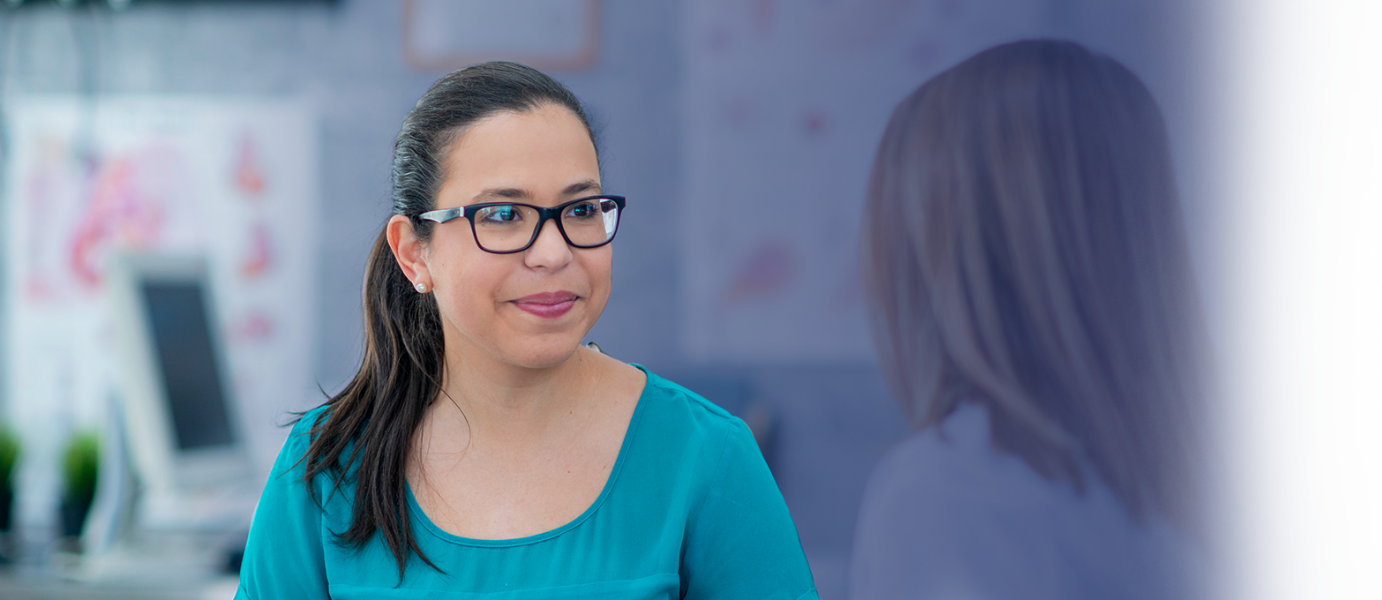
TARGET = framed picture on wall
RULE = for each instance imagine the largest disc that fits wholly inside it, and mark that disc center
(551, 35)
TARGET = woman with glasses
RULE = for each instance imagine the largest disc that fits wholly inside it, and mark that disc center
(481, 450)
(1035, 316)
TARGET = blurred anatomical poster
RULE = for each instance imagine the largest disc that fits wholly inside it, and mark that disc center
(231, 180)
(784, 105)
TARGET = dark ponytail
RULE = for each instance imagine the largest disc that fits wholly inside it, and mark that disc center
(371, 422)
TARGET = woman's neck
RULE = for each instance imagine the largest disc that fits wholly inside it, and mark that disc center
(495, 401)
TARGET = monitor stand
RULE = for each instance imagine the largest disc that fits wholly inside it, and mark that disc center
(183, 536)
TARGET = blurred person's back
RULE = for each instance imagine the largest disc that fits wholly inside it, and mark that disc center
(1035, 316)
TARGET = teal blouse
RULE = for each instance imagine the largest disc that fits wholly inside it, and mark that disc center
(690, 510)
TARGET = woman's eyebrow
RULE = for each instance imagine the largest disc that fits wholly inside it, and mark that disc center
(581, 187)
(503, 192)
(507, 193)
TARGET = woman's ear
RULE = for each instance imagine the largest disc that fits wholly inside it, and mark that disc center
(408, 250)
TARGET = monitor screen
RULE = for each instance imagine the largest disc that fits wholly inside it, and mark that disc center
(182, 336)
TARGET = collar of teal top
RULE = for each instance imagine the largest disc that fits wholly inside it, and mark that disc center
(426, 522)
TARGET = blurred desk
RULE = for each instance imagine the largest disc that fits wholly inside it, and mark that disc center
(21, 588)
(163, 567)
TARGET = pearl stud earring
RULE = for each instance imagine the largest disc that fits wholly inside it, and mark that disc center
(421, 288)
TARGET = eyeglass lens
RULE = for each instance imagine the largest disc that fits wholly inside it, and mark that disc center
(508, 227)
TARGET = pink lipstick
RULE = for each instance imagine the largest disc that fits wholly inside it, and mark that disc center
(548, 305)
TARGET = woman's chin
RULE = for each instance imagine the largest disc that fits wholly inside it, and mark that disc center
(546, 355)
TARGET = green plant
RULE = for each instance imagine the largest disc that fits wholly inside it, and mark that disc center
(80, 461)
(9, 456)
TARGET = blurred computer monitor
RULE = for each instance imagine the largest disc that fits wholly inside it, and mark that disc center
(182, 425)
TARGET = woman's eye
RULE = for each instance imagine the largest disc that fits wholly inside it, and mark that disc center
(500, 214)
(583, 210)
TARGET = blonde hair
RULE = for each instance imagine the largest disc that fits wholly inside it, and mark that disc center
(1024, 250)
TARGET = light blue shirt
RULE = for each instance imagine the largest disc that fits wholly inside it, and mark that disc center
(690, 510)
(949, 517)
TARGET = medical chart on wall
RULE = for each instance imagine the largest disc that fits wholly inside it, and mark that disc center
(234, 181)
(784, 105)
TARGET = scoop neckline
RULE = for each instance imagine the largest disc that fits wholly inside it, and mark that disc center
(421, 516)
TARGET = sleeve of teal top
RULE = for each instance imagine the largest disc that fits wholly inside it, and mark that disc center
(742, 543)
(283, 556)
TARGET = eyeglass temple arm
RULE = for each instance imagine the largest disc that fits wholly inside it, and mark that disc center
(441, 216)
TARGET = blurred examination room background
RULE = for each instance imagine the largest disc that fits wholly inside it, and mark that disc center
(248, 144)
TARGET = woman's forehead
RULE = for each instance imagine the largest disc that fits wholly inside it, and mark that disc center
(539, 152)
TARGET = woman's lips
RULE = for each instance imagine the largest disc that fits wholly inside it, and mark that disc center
(549, 305)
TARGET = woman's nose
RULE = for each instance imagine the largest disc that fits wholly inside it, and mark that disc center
(549, 250)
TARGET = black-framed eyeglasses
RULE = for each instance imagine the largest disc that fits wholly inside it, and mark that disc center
(508, 227)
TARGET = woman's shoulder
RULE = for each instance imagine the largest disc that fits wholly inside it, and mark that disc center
(954, 458)
(678, 430)
(954, 469)
(309, 419)
(947, 495)
(300, 435)
(292, 458)
(670, 391)
(679, 405)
